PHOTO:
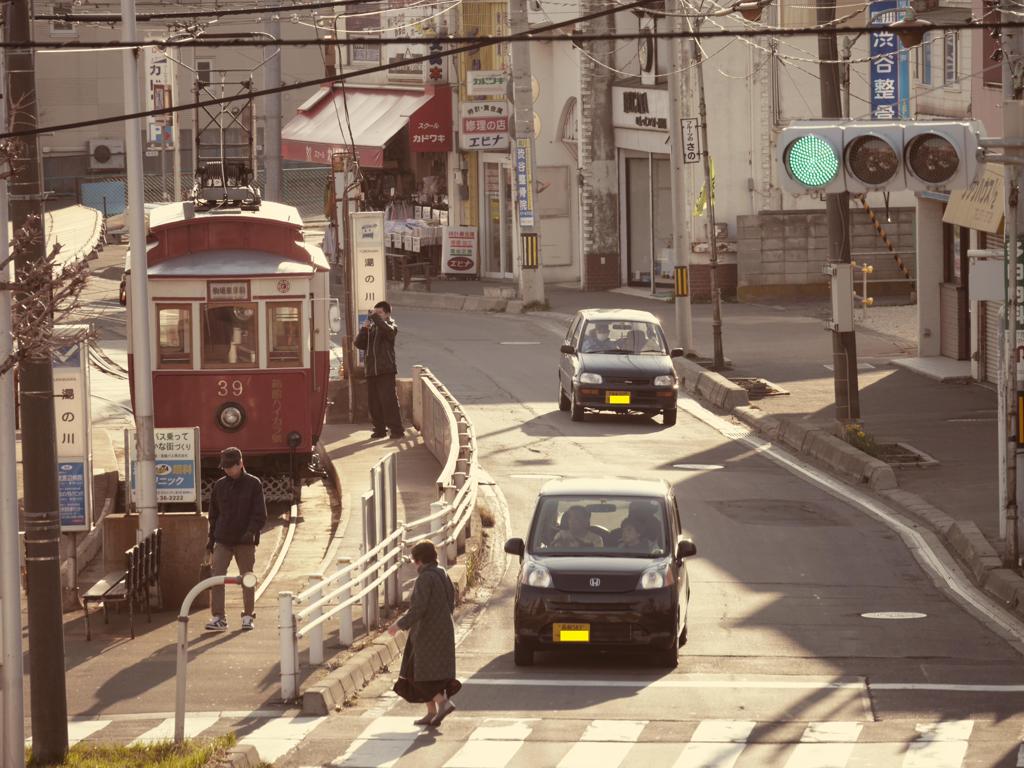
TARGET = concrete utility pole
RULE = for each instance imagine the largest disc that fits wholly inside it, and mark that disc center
(844, 343)
(273, 187)
(176, 127)
(38, 433)
(678, 62)
(12, 703)
(1013, 130)
(531, 276)
(145, 465)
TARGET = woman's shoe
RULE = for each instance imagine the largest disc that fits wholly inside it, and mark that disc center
(442, 713)
(425, 720)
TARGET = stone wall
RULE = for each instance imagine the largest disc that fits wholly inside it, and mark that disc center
(781, 253)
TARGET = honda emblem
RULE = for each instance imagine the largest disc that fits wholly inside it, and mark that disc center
(595, 582)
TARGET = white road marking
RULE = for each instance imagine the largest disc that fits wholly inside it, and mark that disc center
(916, 543)
(894, 615)
(381, 744)
(79, 730)
(194, 725)
(281, 735)
(825, 745)
(605, 743)
(715, 744)
(698, 467)
(738, 683)
(939, 745)
(492, 746)
(1020, 757)
(520, 343)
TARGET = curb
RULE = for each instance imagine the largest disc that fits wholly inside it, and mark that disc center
(710, 386)
(453, 301)
(243, 756)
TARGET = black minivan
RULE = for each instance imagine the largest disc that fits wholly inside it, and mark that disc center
(617, 360)
(603, 567)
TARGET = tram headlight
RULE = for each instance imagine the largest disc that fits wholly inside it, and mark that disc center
(231, 416)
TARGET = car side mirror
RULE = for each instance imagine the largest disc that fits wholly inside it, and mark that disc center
(568, 349)
(677, 352)
(684, 548)
(515, 547)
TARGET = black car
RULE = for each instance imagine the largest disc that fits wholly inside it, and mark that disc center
(617, 360)
(603, 567)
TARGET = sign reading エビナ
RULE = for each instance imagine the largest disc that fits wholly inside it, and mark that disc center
(177, 464)
(71, 411)
(483, 125)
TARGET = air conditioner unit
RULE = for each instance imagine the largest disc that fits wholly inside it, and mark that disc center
(106, 155)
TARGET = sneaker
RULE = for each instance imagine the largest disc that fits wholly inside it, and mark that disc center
(217, 624)
(378, 433)
(248, 622)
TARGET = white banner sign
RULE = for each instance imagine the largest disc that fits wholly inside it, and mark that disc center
(71, 411)
(369, 277)
(158, 96)
(486, 83)
(177, 464)
(484, 125)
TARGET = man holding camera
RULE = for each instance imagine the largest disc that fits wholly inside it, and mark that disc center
(377, 339)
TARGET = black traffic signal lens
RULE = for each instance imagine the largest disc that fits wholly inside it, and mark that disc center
(932, 158)
(872, 160)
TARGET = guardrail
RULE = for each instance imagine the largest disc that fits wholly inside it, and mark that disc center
(448, 434)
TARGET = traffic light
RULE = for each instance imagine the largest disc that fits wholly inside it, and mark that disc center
(829, 157)
(435, 70)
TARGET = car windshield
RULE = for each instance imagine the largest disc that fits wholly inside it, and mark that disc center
(623, 337)
(621, 526)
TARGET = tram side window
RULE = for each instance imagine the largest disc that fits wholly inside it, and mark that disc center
(175, 329)
(284, 327)
(229, 336)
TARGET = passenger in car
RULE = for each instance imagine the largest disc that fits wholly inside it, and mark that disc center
(632, 538)
(578, 533)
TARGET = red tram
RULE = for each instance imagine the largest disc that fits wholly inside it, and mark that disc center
(240, 321)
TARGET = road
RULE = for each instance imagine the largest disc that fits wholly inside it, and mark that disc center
(782, 668)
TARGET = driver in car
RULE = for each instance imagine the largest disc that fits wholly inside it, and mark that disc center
(578, 534)
(598, 340)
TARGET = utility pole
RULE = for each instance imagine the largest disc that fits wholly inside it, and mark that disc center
(38, 432)
(175, 119)
(145, 466)
(1013, 131)
(273, 186)
(709, 185)
(844, 343)
(531, 275)
(12, 703)
(678, 63)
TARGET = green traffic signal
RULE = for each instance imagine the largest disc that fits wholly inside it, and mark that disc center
(812, 161)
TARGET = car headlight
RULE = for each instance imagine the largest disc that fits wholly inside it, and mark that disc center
(231, 416)
(664, 381)
(656, 577)
(536, 575)
(590, 378)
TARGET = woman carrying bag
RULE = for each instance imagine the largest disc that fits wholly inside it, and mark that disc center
(428, 663)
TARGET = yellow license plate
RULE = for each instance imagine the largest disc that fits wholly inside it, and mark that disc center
(571, 633)
(617, 398)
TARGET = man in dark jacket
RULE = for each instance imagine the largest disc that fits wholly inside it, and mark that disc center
(377, 339)
(237, 514)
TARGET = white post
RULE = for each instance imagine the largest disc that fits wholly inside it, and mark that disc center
(345, 634)
(439, 531)
(316, 634)
(396, 585)
(12, 727)
(145, 467)
(289, 669)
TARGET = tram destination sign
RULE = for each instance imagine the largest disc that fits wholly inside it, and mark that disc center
(177, 464)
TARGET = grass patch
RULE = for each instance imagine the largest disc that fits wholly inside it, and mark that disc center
(163, 754)
(864, 441)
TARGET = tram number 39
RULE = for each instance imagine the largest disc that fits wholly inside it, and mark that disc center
(225, 388)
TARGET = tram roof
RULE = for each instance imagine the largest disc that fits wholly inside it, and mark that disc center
(163, 215)
(238, 263)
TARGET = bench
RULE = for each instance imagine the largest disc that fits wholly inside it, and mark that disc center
(130, 585)
(409, 267)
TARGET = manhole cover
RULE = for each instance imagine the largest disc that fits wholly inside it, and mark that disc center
(904, 455)
(758, 388)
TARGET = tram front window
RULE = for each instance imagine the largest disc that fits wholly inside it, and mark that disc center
(284, 327)
(174, 325)
(229, 336)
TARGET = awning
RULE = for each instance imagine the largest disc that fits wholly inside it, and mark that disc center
(334, 119)
(980, 206)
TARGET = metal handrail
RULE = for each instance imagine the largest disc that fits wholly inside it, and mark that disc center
(361, 560)
(347, 603)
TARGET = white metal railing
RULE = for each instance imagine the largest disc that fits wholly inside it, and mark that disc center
(445, 428)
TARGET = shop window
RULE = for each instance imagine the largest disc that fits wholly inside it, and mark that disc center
(174, 325)
(63, 28)
(284, 332)
(229, 336)
(951, 73)
(926, 60)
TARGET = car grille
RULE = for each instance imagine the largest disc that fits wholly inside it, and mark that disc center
(636, 381)
(607, 633)
(580, 582)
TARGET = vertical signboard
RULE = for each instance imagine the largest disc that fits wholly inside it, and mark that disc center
(177, 464)
(691, 140)
(158, 96)
(524, 183)
(890, 63)
(367, 268)
(459, 254)
(71, 414)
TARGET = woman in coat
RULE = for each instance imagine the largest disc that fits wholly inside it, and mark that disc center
(428, 663)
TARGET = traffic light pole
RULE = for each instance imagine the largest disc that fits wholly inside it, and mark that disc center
(844, 343)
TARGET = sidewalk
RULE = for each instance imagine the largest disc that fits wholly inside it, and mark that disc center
(237, 672)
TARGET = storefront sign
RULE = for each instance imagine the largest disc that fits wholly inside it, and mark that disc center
(176, 464)
(361, 17)
(369, 279)
(524, 183)
(980, 206)
(644, 108)
(430, 127)
(890, 63)
(691, 140)
(486, 83)
(71, 413)
(159, 131)
(484, 125)
(459, 254)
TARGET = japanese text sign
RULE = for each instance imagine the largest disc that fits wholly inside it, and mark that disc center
(177, 463)
(890, 63)
(71, 414)
(486, 83)
(524, 183)
(484, 125)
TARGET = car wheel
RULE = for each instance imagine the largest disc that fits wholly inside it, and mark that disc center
(668, 658)
(522, 654)
(669, 417)
(576, 408)
(563, 401)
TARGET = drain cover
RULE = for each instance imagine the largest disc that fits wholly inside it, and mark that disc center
(894, 615)
(758, 388)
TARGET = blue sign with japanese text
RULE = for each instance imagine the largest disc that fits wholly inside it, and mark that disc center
(890, 64)
(72, 494)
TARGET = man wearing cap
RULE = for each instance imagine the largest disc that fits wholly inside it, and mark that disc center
(377, 339)
(237, 514)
